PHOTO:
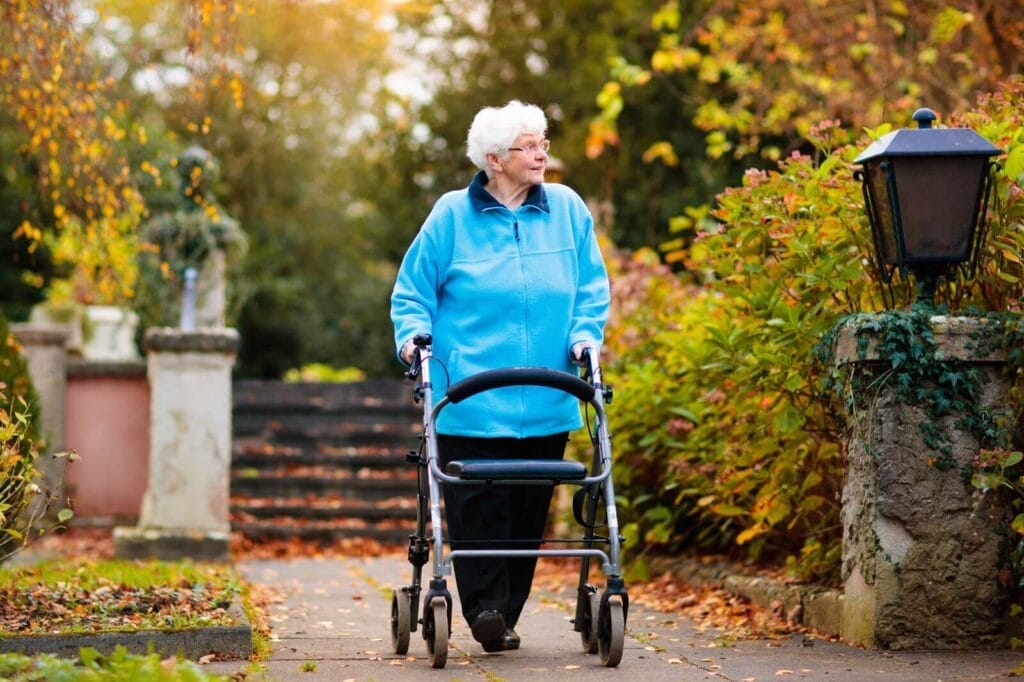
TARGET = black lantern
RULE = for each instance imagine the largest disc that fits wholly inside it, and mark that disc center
(926, 193)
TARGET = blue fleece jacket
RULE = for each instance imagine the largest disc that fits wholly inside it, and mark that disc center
(503, 288)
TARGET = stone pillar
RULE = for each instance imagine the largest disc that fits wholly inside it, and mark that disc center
(921, 546)
(185, 508)
(44, 349)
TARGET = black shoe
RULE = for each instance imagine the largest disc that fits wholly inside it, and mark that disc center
(489, 627)
(511, 639)
(494, 645)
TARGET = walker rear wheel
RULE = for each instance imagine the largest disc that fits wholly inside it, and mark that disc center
(401, 620)
(436, 631)
(588, 628)
(611, 632)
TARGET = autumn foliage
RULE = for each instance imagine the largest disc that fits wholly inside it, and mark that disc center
(75, 136)
(71, 143)
(723, 439)
(764, 73)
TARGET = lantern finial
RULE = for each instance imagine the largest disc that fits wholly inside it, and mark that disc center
(924, 117)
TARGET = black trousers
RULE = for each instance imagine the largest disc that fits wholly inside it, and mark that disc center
(496, 514)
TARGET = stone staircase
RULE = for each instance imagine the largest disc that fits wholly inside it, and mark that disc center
(323, 462)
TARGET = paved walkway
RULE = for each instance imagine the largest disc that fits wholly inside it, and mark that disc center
(334, 617)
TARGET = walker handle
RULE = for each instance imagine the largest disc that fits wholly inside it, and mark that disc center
(520, 376)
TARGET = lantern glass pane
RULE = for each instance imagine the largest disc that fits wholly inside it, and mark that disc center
(939, 202)
(883, 222)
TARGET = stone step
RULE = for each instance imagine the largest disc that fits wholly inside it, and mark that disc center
(299, 485)
(315, 427)
(254, 509)
(323, 462)
(264, 455)
(383, 409)
(321, 532)
(256, 395)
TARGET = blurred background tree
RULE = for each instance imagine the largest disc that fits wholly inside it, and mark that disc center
(333, 143)
(62, 169)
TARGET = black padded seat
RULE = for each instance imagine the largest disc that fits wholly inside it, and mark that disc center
(517, 469)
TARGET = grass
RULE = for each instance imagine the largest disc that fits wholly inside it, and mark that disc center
(75, 596)
(89, 596)
(90, 666)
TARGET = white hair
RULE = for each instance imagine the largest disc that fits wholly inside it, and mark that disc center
(495, 129)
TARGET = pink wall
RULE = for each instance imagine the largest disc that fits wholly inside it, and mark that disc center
(107, 424)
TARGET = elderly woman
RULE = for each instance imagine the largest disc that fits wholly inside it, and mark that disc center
(504, 273)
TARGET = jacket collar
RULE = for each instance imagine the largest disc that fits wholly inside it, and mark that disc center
(482, 199)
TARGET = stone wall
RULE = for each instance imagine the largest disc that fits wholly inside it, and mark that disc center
(921, 546)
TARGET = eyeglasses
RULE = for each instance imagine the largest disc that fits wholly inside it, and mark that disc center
(533, 147)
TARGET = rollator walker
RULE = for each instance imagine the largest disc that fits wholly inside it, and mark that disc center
(600, 616)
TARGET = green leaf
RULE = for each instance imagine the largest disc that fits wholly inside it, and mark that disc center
(658, 514)
(1012, 458)
(1014, 165)
(725, 509)
(789, 420)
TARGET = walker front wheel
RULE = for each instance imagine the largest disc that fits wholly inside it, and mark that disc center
(436, 632)
(611, 632)
(401, 620)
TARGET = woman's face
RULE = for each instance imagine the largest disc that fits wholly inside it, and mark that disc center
(527, 160)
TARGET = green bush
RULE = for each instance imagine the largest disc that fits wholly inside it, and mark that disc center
(22, 501)
(19, 436)
(93, 666)
(724, 440)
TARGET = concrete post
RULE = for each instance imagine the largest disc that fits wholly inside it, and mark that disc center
(44, 349)
(921, 546)
(185, 508)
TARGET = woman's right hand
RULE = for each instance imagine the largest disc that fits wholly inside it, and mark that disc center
(577, 351)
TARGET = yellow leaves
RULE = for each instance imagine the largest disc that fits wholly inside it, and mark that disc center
(211, 212)
(662, 151)
(675, 59)
(948, 23)
(54, 169)
(94, 151)
(667, 17)
(610, 99)
(237, 91)
(709, 71)
(30, 233)
(927, 56)
(112, 130)
(102, 254)
(600, 134)
(751, 533)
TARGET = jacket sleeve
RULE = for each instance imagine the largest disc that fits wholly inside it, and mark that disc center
(414, 297)
(593, 298)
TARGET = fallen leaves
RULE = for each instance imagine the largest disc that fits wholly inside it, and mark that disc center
(711, 607)
(31, 602)
(243, 547)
